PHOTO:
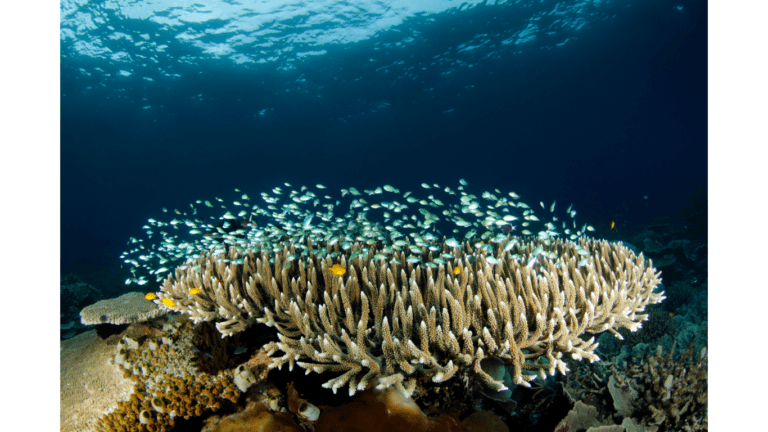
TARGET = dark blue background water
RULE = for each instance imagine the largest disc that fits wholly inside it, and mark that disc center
(615, 114)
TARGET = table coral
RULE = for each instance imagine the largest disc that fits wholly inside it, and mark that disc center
(383, 322)
(127, 309)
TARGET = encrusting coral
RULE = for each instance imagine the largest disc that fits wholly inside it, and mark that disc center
(392, 410)
(384, 320)
(255, 417)
(89, 386)
(168, 386)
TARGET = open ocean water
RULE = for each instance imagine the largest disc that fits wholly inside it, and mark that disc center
(601, 105)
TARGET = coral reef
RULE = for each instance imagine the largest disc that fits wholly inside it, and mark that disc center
(422, 332)
(128, 308)
(659, 392)
(384, 320)
(168, 386)
(667, 391)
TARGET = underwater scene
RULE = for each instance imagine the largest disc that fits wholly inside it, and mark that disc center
(364, 216)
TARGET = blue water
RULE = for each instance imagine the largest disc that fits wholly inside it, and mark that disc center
(597, 103)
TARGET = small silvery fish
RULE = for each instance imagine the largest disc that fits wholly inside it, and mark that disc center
(307, 222)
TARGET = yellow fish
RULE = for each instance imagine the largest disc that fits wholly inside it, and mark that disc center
(195, 291)
(337, 270)
(150, 296)
(613, 224)
(456, 270)
(168, 302)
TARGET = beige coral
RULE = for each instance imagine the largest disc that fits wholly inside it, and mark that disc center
(383, 321)
(90, 386)
(127, 309)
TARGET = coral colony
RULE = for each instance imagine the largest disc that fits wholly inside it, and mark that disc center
(379, 290)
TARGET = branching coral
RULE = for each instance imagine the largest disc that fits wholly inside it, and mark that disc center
(668, 391)
(383, 320)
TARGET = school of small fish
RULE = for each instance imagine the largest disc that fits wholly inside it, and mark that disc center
(383, 216)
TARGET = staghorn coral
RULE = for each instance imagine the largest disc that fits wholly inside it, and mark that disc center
(382, 321)
(665, 391)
